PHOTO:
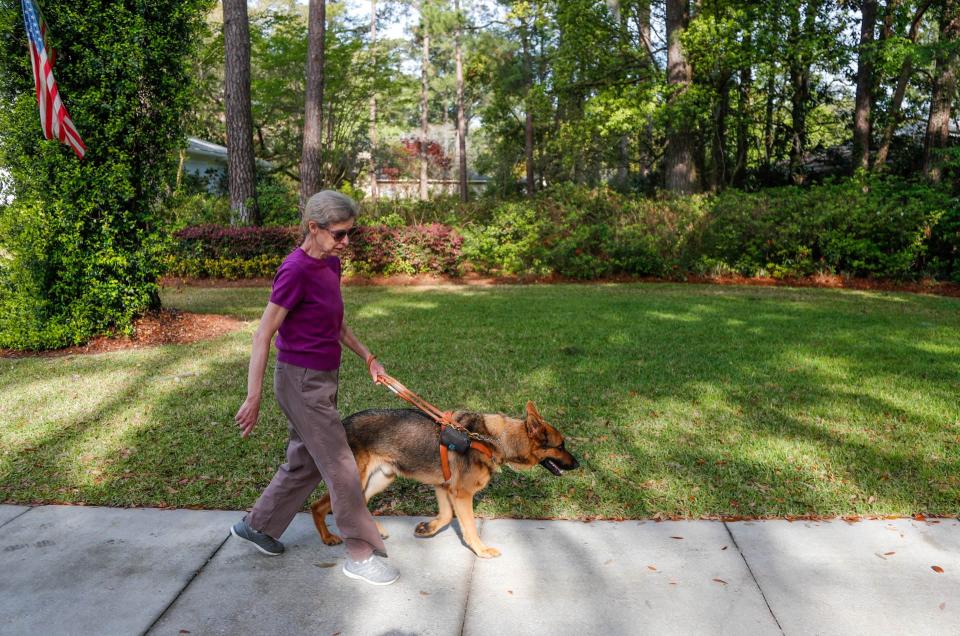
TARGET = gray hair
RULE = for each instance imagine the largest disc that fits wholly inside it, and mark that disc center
(326, 208)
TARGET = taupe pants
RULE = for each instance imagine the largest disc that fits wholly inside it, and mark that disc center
(317, 450)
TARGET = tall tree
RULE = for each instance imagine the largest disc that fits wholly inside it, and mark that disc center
(803, 16)
(894, 114)
(680, 167)
(239, 120)
(944, 90)
(743, 112)
(864, 96)
(461, 117)
(374, 189)
(528, 106)
(424, 99)
(311, 155)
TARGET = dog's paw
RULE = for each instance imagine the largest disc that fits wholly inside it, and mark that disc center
(424, 529)
(332, 540)
(488, 553)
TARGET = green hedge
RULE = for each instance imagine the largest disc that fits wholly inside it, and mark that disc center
(223, 252)
(884, 228)
(81, 245)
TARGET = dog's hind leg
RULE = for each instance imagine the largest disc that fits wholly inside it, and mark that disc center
(322, 507)
(463, 505)
(443, 518)
(377, 481)
(319, 510)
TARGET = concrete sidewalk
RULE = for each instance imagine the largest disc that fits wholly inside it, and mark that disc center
(84, 570)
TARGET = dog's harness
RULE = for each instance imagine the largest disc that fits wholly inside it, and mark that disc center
(453, 437)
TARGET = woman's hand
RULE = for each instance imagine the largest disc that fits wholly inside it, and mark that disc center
(376, 369)
(246, 417)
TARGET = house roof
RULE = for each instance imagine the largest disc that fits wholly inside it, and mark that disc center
(196, 146)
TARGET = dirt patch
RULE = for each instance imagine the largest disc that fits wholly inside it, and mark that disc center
(166, 326)
(837, 282)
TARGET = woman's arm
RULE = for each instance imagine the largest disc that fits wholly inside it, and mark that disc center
(351, 342)
(246, 417)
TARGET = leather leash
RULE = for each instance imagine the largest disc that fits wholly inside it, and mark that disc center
(443, 418)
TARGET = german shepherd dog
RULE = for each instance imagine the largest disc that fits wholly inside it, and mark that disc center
(391, 442)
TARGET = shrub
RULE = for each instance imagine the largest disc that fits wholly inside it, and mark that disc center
(878, 227)
(80, 243)
(866, 227)
(217, 241)
(251, 252)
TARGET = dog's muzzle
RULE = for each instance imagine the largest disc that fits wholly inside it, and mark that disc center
(557, 468)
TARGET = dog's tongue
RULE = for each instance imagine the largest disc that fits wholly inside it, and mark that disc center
(550, 465)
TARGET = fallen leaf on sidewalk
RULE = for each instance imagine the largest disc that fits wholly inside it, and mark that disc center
(720, 581)
(724, 548)
(325, 565)
(888, 553)
(422, 593)
(676, 537)
(651, 568)
(937, 569)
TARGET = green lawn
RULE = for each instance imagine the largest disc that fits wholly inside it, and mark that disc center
(678, 399)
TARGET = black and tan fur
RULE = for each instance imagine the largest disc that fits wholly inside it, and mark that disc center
(391, 443)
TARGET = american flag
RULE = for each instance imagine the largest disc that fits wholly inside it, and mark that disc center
(54, 119)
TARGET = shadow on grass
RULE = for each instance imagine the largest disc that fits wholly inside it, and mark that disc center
(679, 400)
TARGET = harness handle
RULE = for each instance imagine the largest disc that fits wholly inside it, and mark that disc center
(443, 418)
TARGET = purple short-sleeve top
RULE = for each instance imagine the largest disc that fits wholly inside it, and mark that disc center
(309, 289)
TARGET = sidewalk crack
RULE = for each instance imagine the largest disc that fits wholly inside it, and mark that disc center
(754, 577)
(15, 517)
(473, 567)
(186, 585)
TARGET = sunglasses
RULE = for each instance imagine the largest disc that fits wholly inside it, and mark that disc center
(339, 235)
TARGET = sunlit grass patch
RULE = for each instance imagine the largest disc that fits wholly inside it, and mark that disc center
(678, 399)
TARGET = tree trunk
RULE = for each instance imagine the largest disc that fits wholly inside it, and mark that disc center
(944, 88)
(313, 112)
(374, 187)
(623, 145)
(768, 133)
(894, 117)
(864, 96)
(743, 118)
(718, 146)
(424, 123)
(461, 117)
(679, 158)
(800, 94)
(241, 166)
(528, 120)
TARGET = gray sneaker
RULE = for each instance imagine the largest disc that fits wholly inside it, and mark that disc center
(264, 543)
(373, 570)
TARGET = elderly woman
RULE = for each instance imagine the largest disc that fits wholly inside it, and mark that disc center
(306, 308)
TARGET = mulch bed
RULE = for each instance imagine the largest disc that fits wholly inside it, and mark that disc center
(166, 326)
(823, 281)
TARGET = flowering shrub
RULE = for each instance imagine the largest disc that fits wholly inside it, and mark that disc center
(216, 241)
(252, 252)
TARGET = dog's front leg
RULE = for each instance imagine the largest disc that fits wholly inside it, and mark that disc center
(463, 506)
(443, 518)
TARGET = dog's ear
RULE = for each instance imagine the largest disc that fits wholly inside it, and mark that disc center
(532, 412)
(534, 421)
